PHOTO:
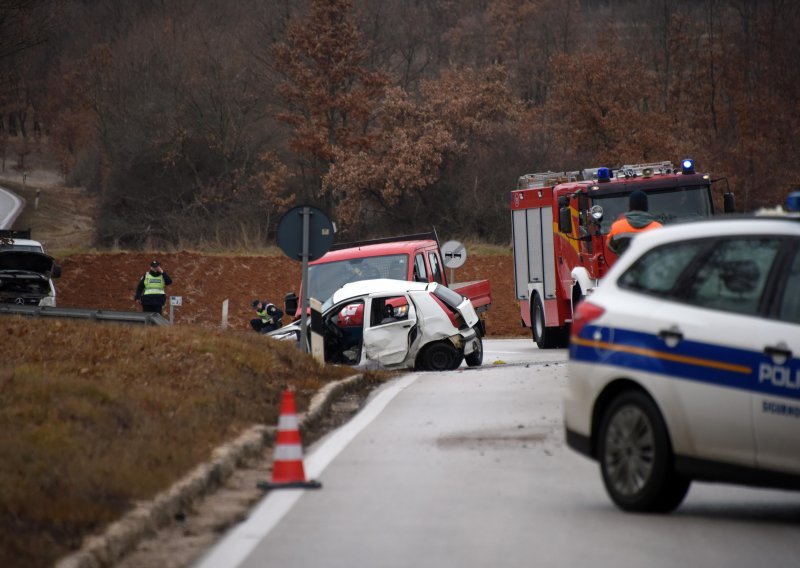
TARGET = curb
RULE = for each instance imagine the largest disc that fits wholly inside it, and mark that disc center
(122, 536)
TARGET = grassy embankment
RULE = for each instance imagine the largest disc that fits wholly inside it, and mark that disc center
(96, 416)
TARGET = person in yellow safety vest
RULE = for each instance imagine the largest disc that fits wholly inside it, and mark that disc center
(269, 317)
(150, 291)
(636, 220)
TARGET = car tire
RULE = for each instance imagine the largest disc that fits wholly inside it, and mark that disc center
(439, 356)
(635, 456)
(475, 359)
(545, 337)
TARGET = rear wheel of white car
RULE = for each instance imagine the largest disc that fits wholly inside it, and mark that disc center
(635, 456)
(438, 357)
(475, 359)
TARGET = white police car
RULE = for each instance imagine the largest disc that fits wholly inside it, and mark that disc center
(685, 362)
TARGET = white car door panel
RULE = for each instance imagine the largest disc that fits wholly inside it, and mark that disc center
(387, 343)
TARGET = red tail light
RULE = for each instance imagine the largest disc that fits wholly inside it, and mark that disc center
(586, 312)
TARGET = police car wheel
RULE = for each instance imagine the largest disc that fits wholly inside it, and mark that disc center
(635, 456)
(438, 357)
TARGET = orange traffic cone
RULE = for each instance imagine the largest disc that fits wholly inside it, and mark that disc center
(287, 468)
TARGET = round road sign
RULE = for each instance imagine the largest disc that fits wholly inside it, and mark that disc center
(320, 233)
(454, 255)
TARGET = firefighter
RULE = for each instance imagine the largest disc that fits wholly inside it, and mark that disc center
(269, 317)
(150, 291)
(636, 220)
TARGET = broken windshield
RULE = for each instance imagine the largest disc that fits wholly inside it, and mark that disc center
(325, 279)
(666, 206)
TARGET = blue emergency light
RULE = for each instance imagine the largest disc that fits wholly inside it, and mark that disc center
(603, 174)
(793, 202)
(687, 166)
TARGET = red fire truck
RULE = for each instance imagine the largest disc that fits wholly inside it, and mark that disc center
(560, 221)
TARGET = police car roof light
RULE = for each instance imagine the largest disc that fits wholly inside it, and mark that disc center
(687, 166)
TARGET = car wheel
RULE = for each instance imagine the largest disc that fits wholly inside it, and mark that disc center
(438, 357)
(475, 359)
(635, 456)
(545, 337)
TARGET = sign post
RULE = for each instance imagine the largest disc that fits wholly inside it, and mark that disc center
(305, 234)
(174, 301)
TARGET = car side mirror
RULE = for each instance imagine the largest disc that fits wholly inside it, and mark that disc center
(564, 220)
(56, 271)
(290, 304)
(728, 203)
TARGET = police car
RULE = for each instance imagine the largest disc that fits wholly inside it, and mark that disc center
(684, 364)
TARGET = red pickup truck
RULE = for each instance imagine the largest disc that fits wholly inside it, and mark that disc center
(414, 258)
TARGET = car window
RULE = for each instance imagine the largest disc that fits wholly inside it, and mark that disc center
(733, 276)
(420, 274)
(388, 310)
(658, 270)
(436, 271)
(790, 303)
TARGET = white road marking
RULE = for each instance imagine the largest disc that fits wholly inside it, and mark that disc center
(234, 548)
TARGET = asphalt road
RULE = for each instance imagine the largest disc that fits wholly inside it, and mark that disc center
(469, 468)
(10, 207)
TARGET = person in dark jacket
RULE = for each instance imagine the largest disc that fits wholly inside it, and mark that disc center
(636, 220)
(151, 290)
(269, 317)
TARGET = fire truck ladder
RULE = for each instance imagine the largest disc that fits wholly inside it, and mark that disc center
(546, 179)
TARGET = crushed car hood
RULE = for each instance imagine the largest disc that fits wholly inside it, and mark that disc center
(27, 261)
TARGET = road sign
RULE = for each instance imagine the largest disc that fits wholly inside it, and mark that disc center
(454, 254)
(320, 233)
(305, 234)
(176, 300)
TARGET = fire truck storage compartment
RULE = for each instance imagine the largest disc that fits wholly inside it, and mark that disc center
(534, 258)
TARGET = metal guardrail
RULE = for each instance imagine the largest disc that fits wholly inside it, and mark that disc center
(141, 318)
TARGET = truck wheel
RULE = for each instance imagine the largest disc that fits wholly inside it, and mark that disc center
(475, 359)
(545, 337)
(635, 456)
(438, 356)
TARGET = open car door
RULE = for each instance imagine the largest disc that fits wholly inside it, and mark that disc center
(389, 321)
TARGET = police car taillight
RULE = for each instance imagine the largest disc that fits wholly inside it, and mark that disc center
(585, 313)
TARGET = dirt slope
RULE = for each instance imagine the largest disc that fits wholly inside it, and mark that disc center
(107, 280)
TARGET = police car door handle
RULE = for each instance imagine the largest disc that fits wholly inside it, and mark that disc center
(671, 336)
(780, 351)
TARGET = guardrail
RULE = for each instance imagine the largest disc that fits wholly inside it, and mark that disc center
(141, 318)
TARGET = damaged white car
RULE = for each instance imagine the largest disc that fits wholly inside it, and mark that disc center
(26, 274)
(395, 324)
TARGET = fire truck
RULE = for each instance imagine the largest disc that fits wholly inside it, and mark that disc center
(560, 221)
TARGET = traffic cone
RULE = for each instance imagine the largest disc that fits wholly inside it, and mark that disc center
(287, 467)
